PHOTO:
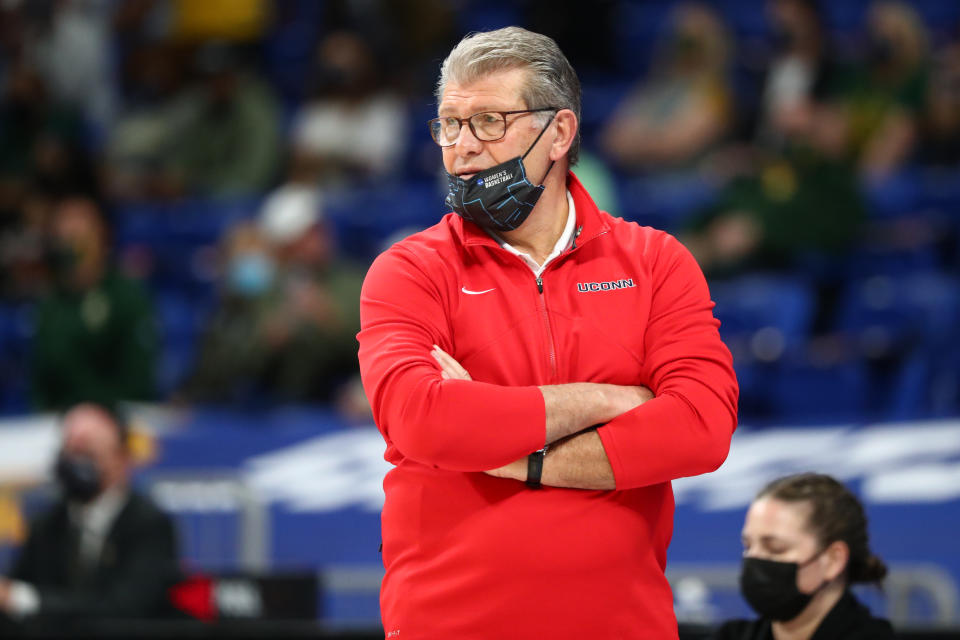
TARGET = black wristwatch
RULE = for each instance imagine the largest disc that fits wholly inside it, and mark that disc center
(535, 468)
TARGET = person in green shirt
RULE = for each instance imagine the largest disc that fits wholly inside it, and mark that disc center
(792, 204)
(95, 335)
(883, 97)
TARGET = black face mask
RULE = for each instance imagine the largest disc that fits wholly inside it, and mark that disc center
(78, 476)
(329, 79)
(881, 51)
(61, 258)
(499, 198)
(770, 587)
(784, 40)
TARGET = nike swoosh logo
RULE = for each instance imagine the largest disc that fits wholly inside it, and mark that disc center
(475, 293)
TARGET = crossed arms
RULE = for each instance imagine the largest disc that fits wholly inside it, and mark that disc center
(576, 458)
(444, 420)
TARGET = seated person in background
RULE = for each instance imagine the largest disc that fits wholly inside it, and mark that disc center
(789, 205)
(319, 317)
(674, 118)
(794, 193)
(95, 333)
(34, 131)
(882, 98)
(353, 127)
(284, 329)
(231, 357)
(102, 550)
(799, 75)
(216, 136)
(940, 135)
(228, 144)
(140, 142)
(804, 543)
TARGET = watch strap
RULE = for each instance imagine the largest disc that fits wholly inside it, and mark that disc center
(535, 468)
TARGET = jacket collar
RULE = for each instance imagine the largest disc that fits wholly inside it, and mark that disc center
(589, 221)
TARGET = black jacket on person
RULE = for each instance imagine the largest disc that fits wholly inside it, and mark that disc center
(137, 564)
(847, 620)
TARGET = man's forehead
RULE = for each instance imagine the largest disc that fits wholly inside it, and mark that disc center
(88, 424)
(498, 90)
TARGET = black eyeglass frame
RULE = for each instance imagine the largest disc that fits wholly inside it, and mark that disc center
(503, 115)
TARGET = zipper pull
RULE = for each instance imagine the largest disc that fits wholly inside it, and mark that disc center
(540, 284)
(576, 234)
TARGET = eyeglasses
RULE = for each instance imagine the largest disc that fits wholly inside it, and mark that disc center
(486, 125)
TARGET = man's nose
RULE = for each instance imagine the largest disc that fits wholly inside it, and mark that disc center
(467, 143)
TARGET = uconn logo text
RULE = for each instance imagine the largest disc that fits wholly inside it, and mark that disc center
(586, 287)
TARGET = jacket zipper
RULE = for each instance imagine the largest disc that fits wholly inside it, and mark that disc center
(551, 348)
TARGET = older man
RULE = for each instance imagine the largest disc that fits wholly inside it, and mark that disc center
(511, 354)
(103, 550)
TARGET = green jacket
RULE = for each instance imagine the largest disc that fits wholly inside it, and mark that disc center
(99, 345)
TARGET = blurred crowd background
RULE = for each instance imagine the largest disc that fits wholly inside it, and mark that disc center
(190, 191)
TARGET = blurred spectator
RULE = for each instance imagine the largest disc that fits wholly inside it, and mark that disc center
(39, 141)
(23, 269)
(805, 542)
(219, 137)
(228, 141)
(884, 96)
(408, 38)
(288, 314)
(672, 119)
(101, 550)
(140, 144)
(352, 128)
(801, 74)
(95, 334)
(940, 139)
(794, 204)
(70, 46)
(12, 36)
(794, 193)
(231, 361)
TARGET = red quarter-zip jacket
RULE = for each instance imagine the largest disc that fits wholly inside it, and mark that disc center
(468, 555)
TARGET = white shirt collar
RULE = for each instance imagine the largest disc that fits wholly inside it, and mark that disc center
(563, 242)
(104, 509)
(96, 519)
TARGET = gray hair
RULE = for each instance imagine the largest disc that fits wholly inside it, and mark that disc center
(551, 81)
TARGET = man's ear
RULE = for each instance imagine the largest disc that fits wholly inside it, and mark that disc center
(566, 125)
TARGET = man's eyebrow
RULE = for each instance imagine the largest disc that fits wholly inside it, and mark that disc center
(442, 112)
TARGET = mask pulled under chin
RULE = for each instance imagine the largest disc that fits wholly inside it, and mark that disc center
(770, 588)
(499, 198)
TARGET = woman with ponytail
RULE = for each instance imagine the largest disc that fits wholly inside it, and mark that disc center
(804, 543)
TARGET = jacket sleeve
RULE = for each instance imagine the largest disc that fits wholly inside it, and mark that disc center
(456, 425)
(686, 429)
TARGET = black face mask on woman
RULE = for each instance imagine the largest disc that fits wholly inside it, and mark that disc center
(499, 198)
(770, 587)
